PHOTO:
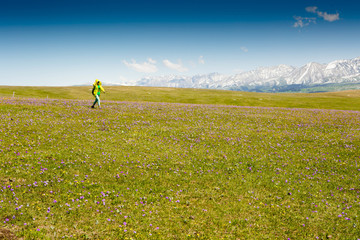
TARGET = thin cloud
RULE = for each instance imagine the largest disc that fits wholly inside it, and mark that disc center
(175, 66)
(303, 22)
(123, 79)
(201, 60)
(311, 9)
(244, 49)
(145, 67)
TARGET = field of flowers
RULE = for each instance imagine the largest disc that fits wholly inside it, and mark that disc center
(162, 170)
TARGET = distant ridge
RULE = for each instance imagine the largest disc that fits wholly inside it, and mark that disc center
(336, 75)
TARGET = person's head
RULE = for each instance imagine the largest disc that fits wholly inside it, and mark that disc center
(97, 82)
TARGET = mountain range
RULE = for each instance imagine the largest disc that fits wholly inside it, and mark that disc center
(270, 79)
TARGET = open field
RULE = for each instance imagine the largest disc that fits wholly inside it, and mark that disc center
(346, 100)
(137, 170)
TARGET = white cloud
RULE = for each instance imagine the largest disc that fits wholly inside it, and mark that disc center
(145, 67)
(178, 67)
(244, 49)
(152, 61)
(329, 17)
(201, 60)
(303, 22)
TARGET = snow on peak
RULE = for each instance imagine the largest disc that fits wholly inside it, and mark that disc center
(312, 73)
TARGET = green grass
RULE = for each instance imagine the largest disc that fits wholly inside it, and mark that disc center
(331, 88)
(346, 100)
(157, 170)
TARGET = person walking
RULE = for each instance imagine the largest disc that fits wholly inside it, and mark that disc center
(97, 89)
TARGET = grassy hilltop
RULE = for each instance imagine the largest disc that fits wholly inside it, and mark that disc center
(346, 100)
(162, 170)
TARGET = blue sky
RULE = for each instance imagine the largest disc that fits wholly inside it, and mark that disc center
(69, 42)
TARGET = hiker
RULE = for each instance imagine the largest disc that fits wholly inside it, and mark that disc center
(97, 88)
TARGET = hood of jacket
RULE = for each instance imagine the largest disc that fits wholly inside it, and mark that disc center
(96, 82)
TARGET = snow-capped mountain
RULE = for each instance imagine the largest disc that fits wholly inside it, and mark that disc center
(311, 73)
(336, 72)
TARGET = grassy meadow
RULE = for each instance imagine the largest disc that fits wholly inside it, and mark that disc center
(345, 100)
(150, 165)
